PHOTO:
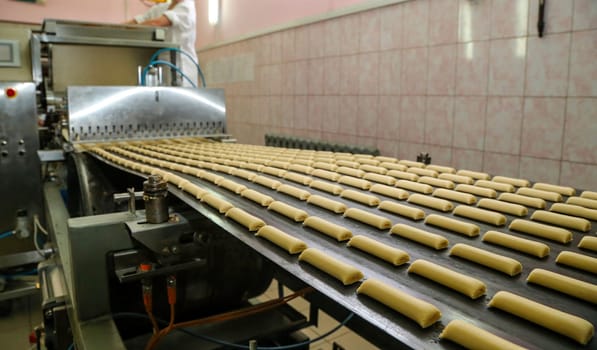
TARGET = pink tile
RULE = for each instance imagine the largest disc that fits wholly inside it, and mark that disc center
(276, 42)
(467, 159)
(332, 29)
(301, 43)
(367, 116)
(369, 73)
(316, 76)
(389, 72)
(369, 30)
(263, 50)
(287, 112)
(412, 119)
(389, 117)
(301, 110)
(558, 17)
(473, 20)
(275, 110)
(263, 111)
(410, 150)
(349, 34)
(288, 78)
(387, 148)
(316, 40)
(472, 68)
(501, 164)
(585, 14)
(275, 79)
(547, 65)
(439, 154)
(391, 27)
(583, 66)
(288, 45)
(331, 114)
(262, 75)
(504, 123)
(252, 110)
(469, 122)
(581, 176)
(509, 18)
(349, 108)
(331, 71)
(439, 120)
(543, 127)
(443, 16)
(441, 70)
(413, 78)
(580, 137)
(540, 170)
(316, 110)
(349, 75)
(506, 66)
(301, 86)
(415, 23)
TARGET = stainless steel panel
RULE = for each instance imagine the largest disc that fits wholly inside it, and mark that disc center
(76, 29)
(122, 113)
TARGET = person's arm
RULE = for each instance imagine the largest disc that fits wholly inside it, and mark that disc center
(161, 21)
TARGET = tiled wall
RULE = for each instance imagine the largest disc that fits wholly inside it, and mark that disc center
(468, 81)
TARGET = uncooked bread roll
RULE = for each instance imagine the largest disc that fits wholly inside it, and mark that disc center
(508, 208)
(457, 178)
(373, 169)
(574, 210)
(564, 284)
(429, 239)
(327, 187)
(294, 192)
(347, 164)
(324, 174)
(455, 196)
(588, 242)
(471, 287)
(512, 181)
(465, 228)
(441, 168)
(279, 164)
(367, 161)
(479, 191)
(325, 166)
(350, 172)
(540, 230)
(355, 182)
(579, 261)
(436, 182)
(474, 174)
(267, 182)
(211, 177)
(422, 172)
(394, 166)
(338, 232)
(215, 202)
(497, 262)
(563, 190)
(482, 215)
(403, 175)
(289, 211)
(430, 202)
(527, 246)
(273, 171)
(523, 200)
(475, 338)
(589, 195)
(360, 197)
(562, 220)
(385, 252)
(342, 271)
(423, 313)
(305, 169)
(387, 159)
(558, 321)
(583, 202)
(323, 202)
(411, 164)
(291, 244)
(389, 191)
(402, 210)
(298, 178)
(232, 186)
(498, 186)
(383, 179)
(195, 190)
(257, 197)
(252, 223)
(368, 218)
(547, 195)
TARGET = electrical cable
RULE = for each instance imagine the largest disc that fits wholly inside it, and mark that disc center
(35, 242)
(196, 63)
(19, 274)
(7, 234)
(36, 222)
(166, 63)
(71, 347)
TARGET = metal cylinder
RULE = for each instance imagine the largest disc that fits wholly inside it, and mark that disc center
(155, 191)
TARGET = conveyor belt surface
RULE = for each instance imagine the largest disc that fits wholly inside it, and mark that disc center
(452, 304)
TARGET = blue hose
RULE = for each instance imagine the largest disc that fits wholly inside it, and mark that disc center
(166, 63)
(199, 71)
(6, 234)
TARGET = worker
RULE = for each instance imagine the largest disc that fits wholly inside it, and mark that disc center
(180, 17)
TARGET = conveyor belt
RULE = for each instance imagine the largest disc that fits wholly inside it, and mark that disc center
(452, 304)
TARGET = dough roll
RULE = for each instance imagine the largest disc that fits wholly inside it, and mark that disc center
(464, 228)
(508, 208)
(385, 252)
(273, 171)
(294, 192)
(252, 223)
(414, 186)
(350, 171)
(579, 261)
(540, 230)
(547, 195)
(342, 271)
(327, 187)
(403, 175)
(389, 191)
(384, 159)
(461, 197)
(411, 164)
(323, 202)
(429, 239)
(217, 203)
(382, 179)
(523, 200)
(476, 190)
(441, 168)
(563, 190)
(289, 211)
(360, 197)
(257, 197)
(305, 169)
(512, 181)
(267, 182)
(558, 321)
(373, 169)
(589, 195)
(211, 177)
(338, 232)
(324, 174)
(195, 190)
(298, 178)
(402, 210)
(432, 181)
(232, 186)
(430, 202)
(422, 312)
(457, 178)
(498, 186)
(527, 246)
(561, 220)
(393, 166)
(471, 287)
(482, 215)
(279, 164)
(494, 261)
(325, 166)
(564, 284)
(475, 338)
(574, 210)
(368, 218)
(583, 202)
(355, 182)
(367, 161)
(283, 240)
(347, 163)
(474, 174)
(589, 243)
(422, 172)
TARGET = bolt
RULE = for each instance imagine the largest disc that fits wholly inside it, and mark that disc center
(174, 249)
(21, 142)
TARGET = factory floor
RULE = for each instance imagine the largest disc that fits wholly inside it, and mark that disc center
(16, 326)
